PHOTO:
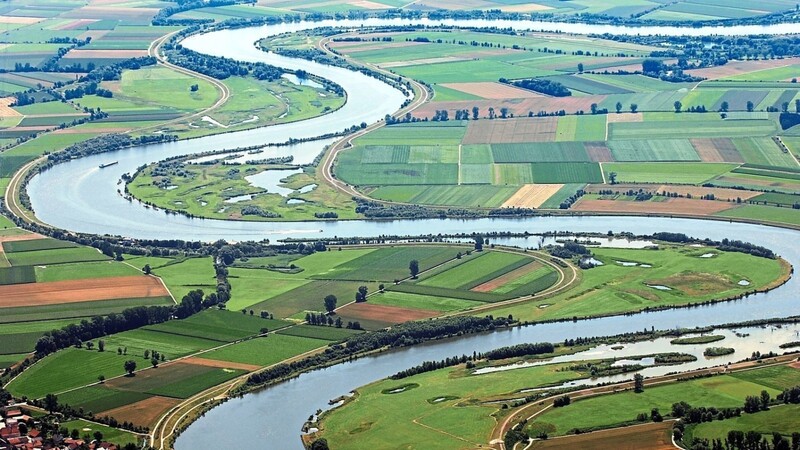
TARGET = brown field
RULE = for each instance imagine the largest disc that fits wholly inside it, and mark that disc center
(539, 129)
(795, 365)
(652, 436)
(528, 7)
(723, 194)
(695, 284)
(624, 117)
(532, 195)
(73, 291)
(599, 152)
(519, 108)
(669, 206)
(145, 412)
(717, 150)
(5, 108)
(733, 68)
(491, 285)
(22, 20)
(367, 4)
(492, 90)
(425, 61)
(382, 313)
(100, 54)
(220, 364)
(20, 237)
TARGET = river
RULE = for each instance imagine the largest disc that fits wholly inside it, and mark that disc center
(79, 196)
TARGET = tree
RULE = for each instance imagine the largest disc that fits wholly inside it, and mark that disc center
(154, 362)
(478, 242)
(330, 302)
(638, 383)
(678, 106)
(797, 106)
(612, 178)
(594, 108)
(130, 367)
(90, 345)
(98, 436)
(338, 322)
(413, 267)
(320, 444)
(381, 287)
(723, 107)
(503, 112)
(750, 106)
(101, 379)
(634, 108)
(765, 400)
(50, 403)
(655, 416)
(361, 295)
(580, 67)
(618, 107)
(785, 107)
(146, 269)
(101, 345)
(475, 112)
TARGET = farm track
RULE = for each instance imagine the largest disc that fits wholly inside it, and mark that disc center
(532, 410)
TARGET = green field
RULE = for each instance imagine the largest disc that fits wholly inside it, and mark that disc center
(479, 269)
(36, 244)
(678, 173)
(97, 398)
(613, 288)
(725, 391)
(266, 351)
(55, 256)
(763, 213)
(390, 263)
(781, 419)
(76, 310)
(114, 435)
(79, 271)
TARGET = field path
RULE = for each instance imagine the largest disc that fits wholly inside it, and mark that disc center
(602, 172)
(459, 164)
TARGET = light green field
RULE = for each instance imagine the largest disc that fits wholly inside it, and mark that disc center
(678, 173)
(114, 435)
(427, 302)
(55, 256)
(266, 351)
(475, 196)
(383, 420)
(609, 410)
(466, 273)
(162, 87)
(614, 289)
(79, 271)
(764, 213)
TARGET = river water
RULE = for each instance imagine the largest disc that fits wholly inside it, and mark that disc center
(79, 196)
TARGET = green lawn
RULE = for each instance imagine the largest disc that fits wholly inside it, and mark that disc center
(55, 256)
(113, 435)
(428, 302)
(79, 271)
(764, 213)
(784, 419)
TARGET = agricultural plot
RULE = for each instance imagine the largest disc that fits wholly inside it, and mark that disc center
(391, 263)
(265, 351)
(540, 152)
(691, 129)
(653, 150)
(766, 214)
(424, 302)
(177, 380)
(764, 152)
(55, 256)
(564, 173)
(509, 131)
(587, 86)
(464, 195)
(473, 272)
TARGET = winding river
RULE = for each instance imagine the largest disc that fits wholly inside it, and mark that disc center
(79, 196)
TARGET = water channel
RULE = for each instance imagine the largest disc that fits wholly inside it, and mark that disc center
(81, 197)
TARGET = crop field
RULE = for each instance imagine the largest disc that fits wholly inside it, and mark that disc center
(533, 195)
(99, 398)
(375, 316)
(55, 256)
(540, 152)
(17, 275)
(425, 302)
(60, 292)
(769, 214)
(78, 309)
(387, 264)
(464, 195)
(318, 332)
(765, 152)
(510, 131)
(653, 150)
(565, 173)
(677, 173)
(472, 273)
(651, 436)
(178, 380)
(265, 351)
